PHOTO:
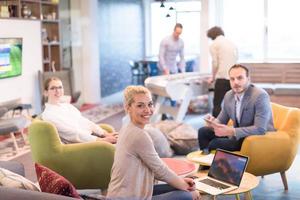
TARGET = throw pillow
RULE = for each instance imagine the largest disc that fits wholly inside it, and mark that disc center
(13, 180)
(52, 182)
(182, 137)
(161, 144)
(166, 126)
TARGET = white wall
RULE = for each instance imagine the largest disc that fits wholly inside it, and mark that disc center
(85, 49)
(205, 66)
(26, 85)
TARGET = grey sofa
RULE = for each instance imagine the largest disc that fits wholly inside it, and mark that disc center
(13, 194)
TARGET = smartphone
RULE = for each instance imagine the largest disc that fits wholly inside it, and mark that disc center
(208, 120)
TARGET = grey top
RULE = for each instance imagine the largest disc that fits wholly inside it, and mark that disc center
(255, 112)
(168, 51)
(136, 165)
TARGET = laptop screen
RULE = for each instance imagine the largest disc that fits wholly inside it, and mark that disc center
(228, 167)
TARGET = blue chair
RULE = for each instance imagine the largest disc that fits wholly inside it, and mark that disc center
(190, 66)
(154, 70)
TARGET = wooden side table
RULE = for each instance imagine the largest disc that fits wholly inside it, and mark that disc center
(194, 157)
(248, 183)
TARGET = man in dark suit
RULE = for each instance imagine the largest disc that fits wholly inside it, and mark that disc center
(246, 105)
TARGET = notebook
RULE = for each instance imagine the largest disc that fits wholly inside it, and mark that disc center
(225, 173)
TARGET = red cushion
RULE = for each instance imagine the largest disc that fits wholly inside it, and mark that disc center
(52, 182)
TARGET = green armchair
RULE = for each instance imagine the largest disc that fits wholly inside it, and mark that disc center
(275, 151)
(85, 165)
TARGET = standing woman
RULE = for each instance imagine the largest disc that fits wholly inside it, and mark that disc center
(137, 164)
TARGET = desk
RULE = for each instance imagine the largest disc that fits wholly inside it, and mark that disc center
(181, 87)
(248, 183)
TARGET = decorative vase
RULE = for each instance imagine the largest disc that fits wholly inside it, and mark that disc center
(26, 12)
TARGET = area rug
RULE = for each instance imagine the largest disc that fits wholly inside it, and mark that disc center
(99, 112)
(7, 151)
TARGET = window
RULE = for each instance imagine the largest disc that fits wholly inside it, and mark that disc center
(187, 13)
(283, 29)
(263, 30)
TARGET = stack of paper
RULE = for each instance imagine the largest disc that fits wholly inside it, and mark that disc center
(205, 159)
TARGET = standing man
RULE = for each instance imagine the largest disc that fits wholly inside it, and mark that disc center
(224, 54)
(246, 105)
(170, 47)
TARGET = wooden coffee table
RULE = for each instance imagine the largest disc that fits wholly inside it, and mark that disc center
(248, 183)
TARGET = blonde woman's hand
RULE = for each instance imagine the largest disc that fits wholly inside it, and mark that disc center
(191, 184)
(196, 195)
(192, 188)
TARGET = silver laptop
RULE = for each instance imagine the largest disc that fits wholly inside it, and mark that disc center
(225, 173)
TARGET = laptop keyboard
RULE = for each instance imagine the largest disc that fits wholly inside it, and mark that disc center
(214, 184)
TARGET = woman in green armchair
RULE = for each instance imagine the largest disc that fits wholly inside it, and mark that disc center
(137, 164)
(71, 125)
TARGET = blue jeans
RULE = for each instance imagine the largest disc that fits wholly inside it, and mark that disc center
(166, 192)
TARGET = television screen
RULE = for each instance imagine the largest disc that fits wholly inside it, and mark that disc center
(10, 57)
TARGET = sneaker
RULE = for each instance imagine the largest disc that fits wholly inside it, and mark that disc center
(205, 151)
(164, 117)
(203, 168)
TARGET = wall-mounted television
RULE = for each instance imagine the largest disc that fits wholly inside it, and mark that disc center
(10, 57)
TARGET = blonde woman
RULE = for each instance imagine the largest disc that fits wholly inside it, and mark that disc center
(71, 125)
(136, 162)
